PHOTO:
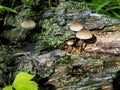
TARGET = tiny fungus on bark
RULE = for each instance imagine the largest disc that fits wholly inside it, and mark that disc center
(83, 35)
(70, 42)
(28, 24)
(76, 26)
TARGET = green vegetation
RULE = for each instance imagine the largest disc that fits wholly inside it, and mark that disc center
(5, 53)
(109, 7)
(49, 35)
(23, 82)
(26, 1)
(6, 9)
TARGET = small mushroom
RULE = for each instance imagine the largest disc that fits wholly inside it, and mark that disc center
(83, 35)
(76, 26)
(70, 44)
(28, 24)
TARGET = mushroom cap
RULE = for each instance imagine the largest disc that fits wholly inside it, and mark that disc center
(84, 34)
(76, 26)
(70, 42)
(28, 24)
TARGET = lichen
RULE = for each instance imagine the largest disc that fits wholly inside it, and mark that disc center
(55, 28)
(52, 34)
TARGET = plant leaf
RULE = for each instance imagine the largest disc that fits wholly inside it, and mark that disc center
(112, 8)
(117, 15)
(7, 88)
(26, 1)
(102, 5)
(3, 9)
(26, 85)
(22, 76)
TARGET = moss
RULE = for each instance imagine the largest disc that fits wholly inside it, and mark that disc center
(55, 30)
(52, 34)
(71, 80)
(17, 33)
(6, 61)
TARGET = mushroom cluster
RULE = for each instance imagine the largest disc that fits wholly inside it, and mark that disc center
(82, 34)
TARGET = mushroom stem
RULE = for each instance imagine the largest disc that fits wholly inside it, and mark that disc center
(82, 45)
(85, 46)
(83, 35)
(69, 48)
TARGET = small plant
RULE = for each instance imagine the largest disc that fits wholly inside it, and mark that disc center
(23, 82)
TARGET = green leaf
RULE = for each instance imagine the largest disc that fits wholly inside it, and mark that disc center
(22, 82)
(112, 8)
(26, 1)
(26, 85)
(118, 1)
(7, 9)
(22, 76)
(7, 88)
(117, 15)
(102, 5)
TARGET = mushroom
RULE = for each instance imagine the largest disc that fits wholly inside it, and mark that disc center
(28, 24)
(83, 35)
(70, 44)
(76, 26)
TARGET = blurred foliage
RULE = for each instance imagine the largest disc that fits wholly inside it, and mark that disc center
(4, 9)
(26, 1)
(5, 54)
(6, 61)
(1, 2)
(109, 7)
